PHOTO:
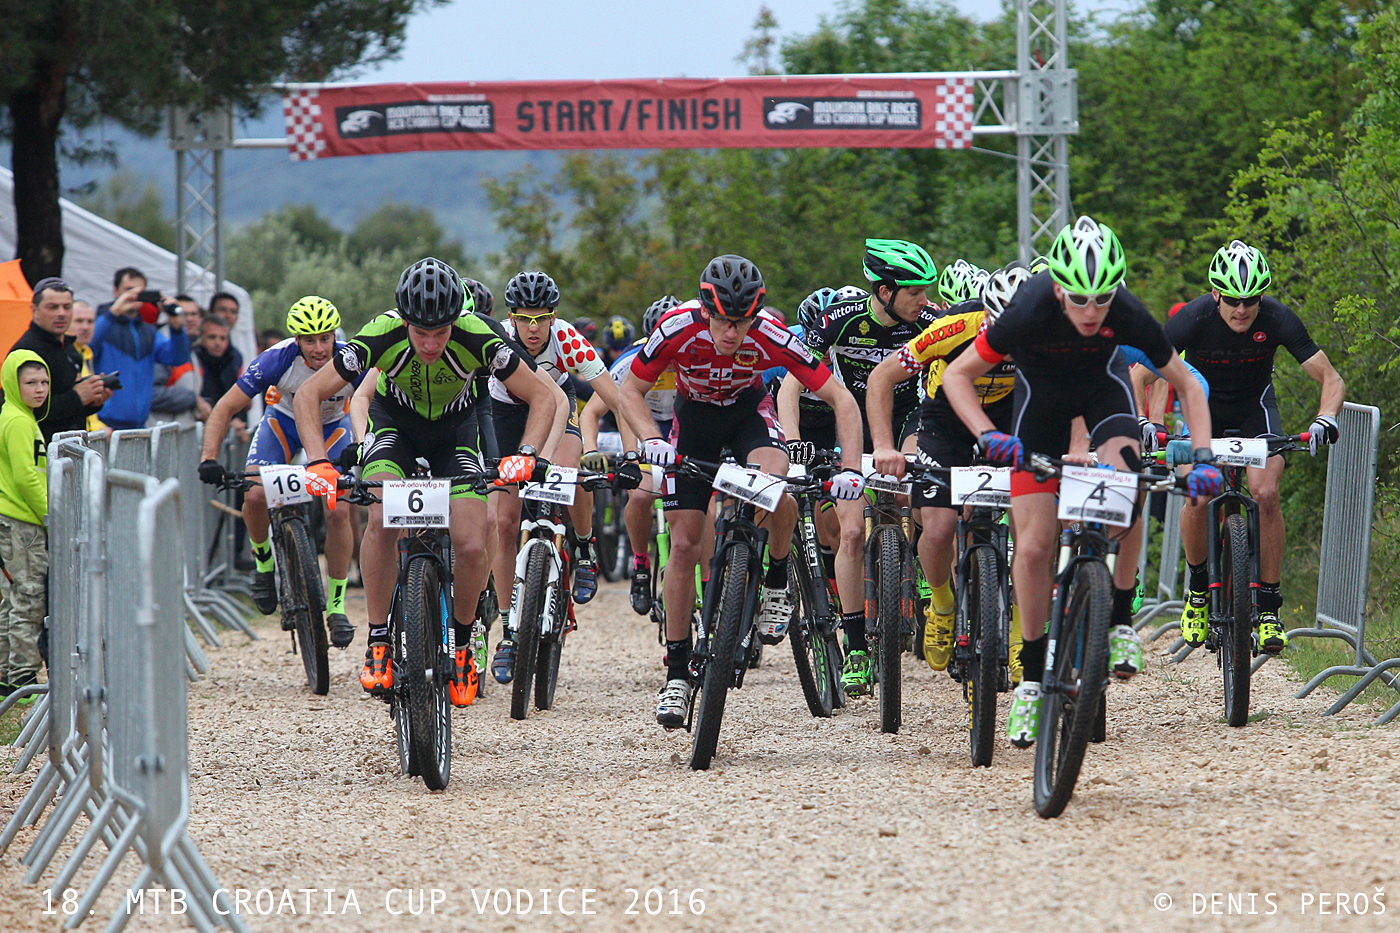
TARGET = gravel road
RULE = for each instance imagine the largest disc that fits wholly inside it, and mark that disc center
(1179, 822)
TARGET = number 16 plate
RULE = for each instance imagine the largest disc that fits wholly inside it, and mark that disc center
(416, 503)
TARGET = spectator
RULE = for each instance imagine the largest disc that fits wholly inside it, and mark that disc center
(80, 329)
(127, 341)
(175, 389)
(193, 314)
(24, 503)
(225, 306)
(219, 362)
(268, 338)
(71, 400)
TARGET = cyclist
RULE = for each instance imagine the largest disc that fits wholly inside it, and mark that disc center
(960, 281)
(1231, 335)
(1064, 328)
(617, 336)
(661, 400)
(427, 351)
(483, 302)
(720, 345)
(559, 351)
(944, 439)
(855, 336)
(277, 373)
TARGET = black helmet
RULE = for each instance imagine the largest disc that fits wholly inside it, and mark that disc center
(531, 290)
(482, 299)
(732, 287)
(430, 294)
(652, 316)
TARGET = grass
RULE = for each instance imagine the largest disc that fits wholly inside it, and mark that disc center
(10, 725)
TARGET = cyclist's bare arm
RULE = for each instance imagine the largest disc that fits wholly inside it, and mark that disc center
(545, 400)
(633, 407)
(604, 387)
(788, 416)
(307, 406)
(1142, 377)
(234, 401)
(1334, 390)
(958, 386)
(1193, 398)
(879, 407)
(359, 404)
(849, 428)
(588, 419)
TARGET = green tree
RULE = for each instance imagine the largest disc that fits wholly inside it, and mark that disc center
(758, 49)
(403, 226)
(68, 63)
(130, 202)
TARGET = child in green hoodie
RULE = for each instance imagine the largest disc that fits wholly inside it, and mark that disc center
(24, 504)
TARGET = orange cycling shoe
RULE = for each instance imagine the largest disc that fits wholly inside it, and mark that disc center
(377, 676)
(463, 686)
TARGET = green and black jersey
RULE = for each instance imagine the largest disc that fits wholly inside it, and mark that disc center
(431, 390)
(851, 340)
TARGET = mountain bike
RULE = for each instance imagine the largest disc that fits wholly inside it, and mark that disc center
(614, 547)
(1076, 657)
(542, 614)
(889, 586)
(816, 625)
(421, 633)
(300, 595)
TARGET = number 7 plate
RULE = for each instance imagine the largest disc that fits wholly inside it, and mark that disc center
(753, 486)
(416, 503)
(284, 485)
(982, 486)
(560, 485)
(1092, 495)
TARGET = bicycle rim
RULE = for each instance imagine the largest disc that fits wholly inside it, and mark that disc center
(303, 579)
(889, 592)
(527, 635)
(1236, 640)
(982, 604)
(429, 708)
(808, 649)
(1068, 714)
(719, 667)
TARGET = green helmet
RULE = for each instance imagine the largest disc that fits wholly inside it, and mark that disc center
(312, 315)
(900, 262)
(1239, 271)
(1087, 259)
(1038, 264)
(959, 282)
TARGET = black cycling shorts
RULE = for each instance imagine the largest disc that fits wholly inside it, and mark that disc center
(704, 431)
(1253, 418)
(944, 439)
(398, 437)
(510, 422)
(1043, 413)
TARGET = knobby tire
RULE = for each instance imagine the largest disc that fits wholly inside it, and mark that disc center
(724, 644)
(809, 653)
(889, 635)
(527, 635)
(983, 612)
(1236, 634)
(429, 707)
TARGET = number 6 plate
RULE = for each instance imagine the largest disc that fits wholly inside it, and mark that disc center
(416, 503)
(982, 486)
(284, 485)
(560, 485)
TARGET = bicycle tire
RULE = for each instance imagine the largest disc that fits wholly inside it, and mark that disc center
(1066, 722)
(835, 657)
(403, 728)
(889, 594)
(303, 577)
(551, 648)
(612, 538)
(1236, 641)
(429, 707)
(719, 667)
(658, 590)
(527, 632)
(809, 652)
(983, 612)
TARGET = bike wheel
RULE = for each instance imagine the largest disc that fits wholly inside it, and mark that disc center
(612, 540)
(403, 728)
(1235, 642)
(1068, 713)
(533, 594)
(889, 640)
(425, 676)
(724, 643)
(303, 578)
(835, 658)
(809, 652)
(983, 611)
(547, 668)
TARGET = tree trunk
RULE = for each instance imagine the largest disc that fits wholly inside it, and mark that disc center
(36, 116)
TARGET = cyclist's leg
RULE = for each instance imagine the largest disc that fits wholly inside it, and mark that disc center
(509, 421)
(274, 441)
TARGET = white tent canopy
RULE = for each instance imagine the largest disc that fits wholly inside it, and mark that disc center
(95, 248)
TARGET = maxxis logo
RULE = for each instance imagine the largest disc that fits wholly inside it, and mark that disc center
(934, 335)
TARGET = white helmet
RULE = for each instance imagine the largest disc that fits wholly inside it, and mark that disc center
(1000, 287)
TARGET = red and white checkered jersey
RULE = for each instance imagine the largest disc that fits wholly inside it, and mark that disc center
(567, 351)
(703, 375)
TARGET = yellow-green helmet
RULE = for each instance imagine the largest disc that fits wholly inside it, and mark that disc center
(1087, 258)
(1239, 271)
(312, 315)
(960, 281)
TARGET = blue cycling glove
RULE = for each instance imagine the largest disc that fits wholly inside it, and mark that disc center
(1002, 449)
(1204, 480)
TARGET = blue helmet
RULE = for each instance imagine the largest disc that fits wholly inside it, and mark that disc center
(813, 307)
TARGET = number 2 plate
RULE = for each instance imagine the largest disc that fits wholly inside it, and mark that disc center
(753, 486)
(560, 485)
(284, 485)
(982, 486)
(1091, 495)
(416, 503)
(1241, 451)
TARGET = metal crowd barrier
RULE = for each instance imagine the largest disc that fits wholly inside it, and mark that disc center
(1169, 563)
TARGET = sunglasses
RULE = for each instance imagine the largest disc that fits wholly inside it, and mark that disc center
(1230, 301)
(733, 323)
(533, 320)
(1080, 301)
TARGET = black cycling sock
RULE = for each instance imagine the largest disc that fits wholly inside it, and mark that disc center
(461, 634)
(776, 578)
(379, 633)
(1270, 599)
(678, 659)
(1033, 659)
(854, 624)
(828, 562)
(1200, 578)
(1123, 607)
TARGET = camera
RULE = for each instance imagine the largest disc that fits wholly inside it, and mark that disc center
(111, 381)
(150, 297)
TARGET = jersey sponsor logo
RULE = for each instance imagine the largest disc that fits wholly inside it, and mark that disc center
(1106, 333)
(872, 355)
(746, 356)
(502, 358)
(938, 334)
(1260, 336)
(865, 341)
(864, 327)
(350, 358)
(654, 341)
(670, 324)
(774, 331)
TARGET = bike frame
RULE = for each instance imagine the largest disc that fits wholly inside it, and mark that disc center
(983, 531)
(885, 510)
(432, 545)
(1086, 544)
(734, 523)
(546, 531)
(1230, 502)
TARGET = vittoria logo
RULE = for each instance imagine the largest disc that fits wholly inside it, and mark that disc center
(1260, 336)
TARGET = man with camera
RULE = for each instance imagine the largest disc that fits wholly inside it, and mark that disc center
(71, 399)
(126, 341)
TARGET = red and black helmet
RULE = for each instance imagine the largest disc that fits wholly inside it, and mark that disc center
(732, 287)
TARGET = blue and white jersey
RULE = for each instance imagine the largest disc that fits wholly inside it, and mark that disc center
(1136, 356)
(661, 397)
(280, 370)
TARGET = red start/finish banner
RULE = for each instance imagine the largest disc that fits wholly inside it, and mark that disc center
(671, 113)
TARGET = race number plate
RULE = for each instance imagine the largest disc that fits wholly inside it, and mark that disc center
(1240, 451)
(753, 486)
(982, 486)
(560, 485)
(416, 503)
(284, 485)
(1091, 495)
(881, 482)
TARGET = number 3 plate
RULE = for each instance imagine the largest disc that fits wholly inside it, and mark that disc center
(284, 485)
(982, 486)
(416, 503)
(560, 485)
(1241, 451)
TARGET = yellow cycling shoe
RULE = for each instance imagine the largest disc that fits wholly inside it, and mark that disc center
(938, 638)
(1272, 637)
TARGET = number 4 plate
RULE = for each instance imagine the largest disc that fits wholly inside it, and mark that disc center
(1092, 495)
(982, 486)
(284, 485)
(1241, 451)
(560, 485)
(753, 486)
(416, 503)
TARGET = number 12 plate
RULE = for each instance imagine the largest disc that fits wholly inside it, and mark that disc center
(416, 503)
(560, 485)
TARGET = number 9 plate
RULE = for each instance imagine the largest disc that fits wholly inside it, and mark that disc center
(416, 503)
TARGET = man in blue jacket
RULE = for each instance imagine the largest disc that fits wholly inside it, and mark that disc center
(126, 341)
